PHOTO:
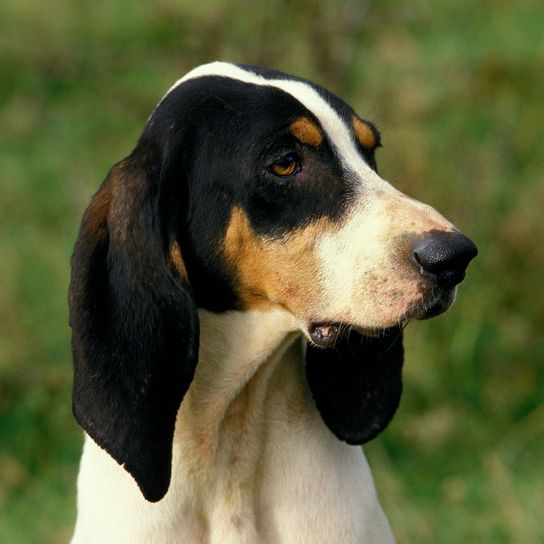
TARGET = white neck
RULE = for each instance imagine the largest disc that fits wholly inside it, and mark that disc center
(237, 368)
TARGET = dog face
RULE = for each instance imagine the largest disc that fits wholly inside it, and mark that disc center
(301, 219)
(248, 189)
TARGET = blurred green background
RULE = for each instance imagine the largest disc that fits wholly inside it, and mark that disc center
(457, 89)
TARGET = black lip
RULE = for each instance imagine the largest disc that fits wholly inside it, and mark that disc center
(439, 307)
(433, 312)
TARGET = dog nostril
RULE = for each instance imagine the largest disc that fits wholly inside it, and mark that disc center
(444, 256)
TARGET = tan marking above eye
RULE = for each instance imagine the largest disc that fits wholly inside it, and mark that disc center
(364, 134)
(306, 132)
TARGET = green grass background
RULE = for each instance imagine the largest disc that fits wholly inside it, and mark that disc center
(457, 89)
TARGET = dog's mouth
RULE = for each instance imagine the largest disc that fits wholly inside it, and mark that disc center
(326, 335)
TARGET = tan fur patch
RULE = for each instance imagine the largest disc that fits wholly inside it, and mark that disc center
(177, 260)
(96, 216)
(307, 132)
(364, 133)
(282, 272)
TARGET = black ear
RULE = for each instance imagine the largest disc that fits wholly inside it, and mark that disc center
(357, 384)
(134, 321)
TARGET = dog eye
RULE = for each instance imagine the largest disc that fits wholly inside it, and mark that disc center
(286, 166)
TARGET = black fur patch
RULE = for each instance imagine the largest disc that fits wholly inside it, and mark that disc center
(134, 327)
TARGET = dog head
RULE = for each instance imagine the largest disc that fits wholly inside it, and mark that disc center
(248, 189)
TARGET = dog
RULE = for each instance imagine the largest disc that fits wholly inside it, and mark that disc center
(239, 288)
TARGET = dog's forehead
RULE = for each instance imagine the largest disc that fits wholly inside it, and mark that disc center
(336, 118)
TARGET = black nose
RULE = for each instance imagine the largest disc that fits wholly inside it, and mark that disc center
(444, 257)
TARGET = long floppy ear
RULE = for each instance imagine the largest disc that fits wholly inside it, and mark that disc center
(134, 321)
(357, 384)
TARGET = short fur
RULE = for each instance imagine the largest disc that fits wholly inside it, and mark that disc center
(203, 279)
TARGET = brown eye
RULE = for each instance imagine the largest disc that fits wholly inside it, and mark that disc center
(285, 167)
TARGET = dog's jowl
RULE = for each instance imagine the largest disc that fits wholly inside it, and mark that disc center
(239, 288)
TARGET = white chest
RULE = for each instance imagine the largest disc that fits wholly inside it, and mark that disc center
(306, 488)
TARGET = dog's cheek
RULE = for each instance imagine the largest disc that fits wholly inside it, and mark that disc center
(275, 272)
